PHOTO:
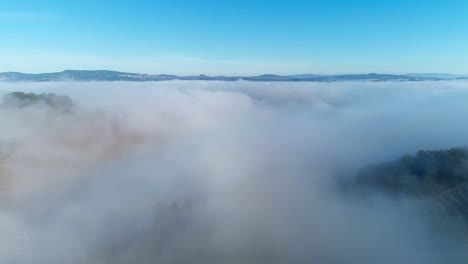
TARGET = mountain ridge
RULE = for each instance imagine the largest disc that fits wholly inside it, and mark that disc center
(109, 75)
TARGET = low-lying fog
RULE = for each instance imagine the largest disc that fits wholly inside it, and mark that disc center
(220, 172)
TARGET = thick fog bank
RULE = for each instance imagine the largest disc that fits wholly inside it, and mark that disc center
(220, 172)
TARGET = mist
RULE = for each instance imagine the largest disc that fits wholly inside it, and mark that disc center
(221, 172)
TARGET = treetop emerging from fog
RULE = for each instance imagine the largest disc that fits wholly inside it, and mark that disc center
(22, 99)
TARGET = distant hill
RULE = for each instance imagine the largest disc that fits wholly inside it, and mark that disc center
(437, 75)
(105, 75)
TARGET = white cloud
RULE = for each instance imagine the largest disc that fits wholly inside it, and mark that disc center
(213, 172)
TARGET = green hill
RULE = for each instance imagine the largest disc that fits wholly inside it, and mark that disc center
(425, 173)
(440, 177)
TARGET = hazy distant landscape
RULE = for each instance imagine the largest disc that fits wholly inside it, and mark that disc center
(106, 75)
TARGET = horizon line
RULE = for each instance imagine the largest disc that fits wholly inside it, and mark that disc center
(239, 75)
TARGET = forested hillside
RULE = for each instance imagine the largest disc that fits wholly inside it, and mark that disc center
(425, 173)
(439, 176)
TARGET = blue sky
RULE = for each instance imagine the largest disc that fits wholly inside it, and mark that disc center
(235, 37)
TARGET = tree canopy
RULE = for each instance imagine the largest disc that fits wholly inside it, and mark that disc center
(22, 99)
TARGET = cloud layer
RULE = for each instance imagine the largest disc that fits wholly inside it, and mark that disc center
(220, 172)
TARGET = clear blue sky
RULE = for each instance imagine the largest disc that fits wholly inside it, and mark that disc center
(235, 37)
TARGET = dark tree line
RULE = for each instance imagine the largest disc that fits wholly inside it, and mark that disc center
(425, 173)
(22, 99)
